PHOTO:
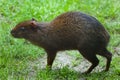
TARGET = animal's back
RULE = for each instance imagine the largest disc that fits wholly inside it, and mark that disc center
(75, 29)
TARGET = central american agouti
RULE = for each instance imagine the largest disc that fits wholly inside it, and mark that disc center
(68, 31)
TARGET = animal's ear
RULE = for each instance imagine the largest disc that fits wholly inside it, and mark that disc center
(33, 19)
(33, 25)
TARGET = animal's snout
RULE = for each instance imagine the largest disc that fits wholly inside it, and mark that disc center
(15, 34)
(12, 32)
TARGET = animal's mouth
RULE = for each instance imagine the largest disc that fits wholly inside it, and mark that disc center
(16, 35)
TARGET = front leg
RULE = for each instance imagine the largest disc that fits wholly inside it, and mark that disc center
(50, 58)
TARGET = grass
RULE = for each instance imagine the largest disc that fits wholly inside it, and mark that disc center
(15, 54)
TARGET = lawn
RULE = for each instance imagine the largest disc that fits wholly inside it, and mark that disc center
(15, 54)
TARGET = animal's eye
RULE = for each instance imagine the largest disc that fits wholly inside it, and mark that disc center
(22, 28)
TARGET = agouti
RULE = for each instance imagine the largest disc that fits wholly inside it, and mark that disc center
(68, 31)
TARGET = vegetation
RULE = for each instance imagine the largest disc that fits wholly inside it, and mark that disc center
(16, 54)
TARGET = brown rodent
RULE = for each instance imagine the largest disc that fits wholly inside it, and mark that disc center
(68, 31)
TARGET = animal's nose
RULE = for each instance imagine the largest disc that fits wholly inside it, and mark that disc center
(12, 32)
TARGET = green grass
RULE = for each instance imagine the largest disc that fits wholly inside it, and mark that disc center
(15, 54)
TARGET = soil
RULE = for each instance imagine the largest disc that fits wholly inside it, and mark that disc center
(62, 59)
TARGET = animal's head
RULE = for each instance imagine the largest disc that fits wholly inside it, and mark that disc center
(25, 28)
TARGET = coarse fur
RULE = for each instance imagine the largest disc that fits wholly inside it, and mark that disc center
(68, 31)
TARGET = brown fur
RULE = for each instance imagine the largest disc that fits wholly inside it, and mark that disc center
(69, 31)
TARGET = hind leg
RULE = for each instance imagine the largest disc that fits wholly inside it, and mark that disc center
(105, 53)
(90, 57)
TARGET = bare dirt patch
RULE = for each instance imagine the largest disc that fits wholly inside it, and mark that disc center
(62, 59)
(117, 50)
